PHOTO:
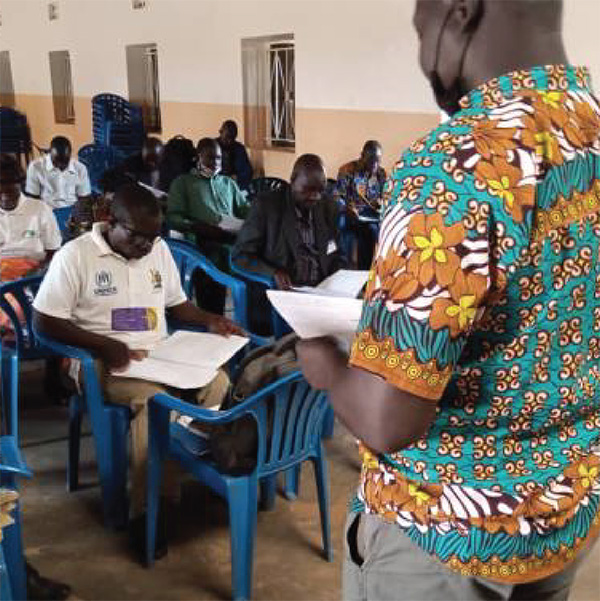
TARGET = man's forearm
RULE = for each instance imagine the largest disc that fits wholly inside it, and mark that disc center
(190, 314)
(371, 410)
(63, 330)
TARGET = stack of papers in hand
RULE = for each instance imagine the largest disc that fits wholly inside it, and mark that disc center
(330, 309)
(186, 359)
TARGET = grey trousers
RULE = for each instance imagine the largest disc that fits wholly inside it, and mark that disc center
(381, 563)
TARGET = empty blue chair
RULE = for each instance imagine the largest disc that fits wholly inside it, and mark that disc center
(98, 159)
(297, 413)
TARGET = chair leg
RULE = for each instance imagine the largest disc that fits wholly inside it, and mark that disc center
(243, 507)
(320, 465)
(292, 483)
(118, 508)
(158, 440)
(268, 492)
(14, 557)
(75, 415)
(328, 423)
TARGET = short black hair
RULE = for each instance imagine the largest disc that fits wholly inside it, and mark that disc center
(61, 144)
(10, 170)
(371, 147)
(133, 198)
(306, 163)
(113, 179)
(205, 144)
(231, 126)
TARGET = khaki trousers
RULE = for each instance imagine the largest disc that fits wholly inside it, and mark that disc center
(382, 564)
(135, 394)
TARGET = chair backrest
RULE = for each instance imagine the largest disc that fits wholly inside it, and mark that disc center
(98, 159)
(188, 260)
(117, 122)
(16, 301)
(265, 184)
(289, 415)
(62, 215)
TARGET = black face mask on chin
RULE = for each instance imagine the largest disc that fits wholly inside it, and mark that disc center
(448, 98)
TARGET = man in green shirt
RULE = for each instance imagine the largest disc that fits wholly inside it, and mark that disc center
(208, 207)
(201, 199)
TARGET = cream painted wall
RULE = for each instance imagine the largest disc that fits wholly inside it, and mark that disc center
(357, 73)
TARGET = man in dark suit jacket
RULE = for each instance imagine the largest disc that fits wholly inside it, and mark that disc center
(292, 235)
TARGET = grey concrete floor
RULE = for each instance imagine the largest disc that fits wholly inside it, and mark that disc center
(65, 537)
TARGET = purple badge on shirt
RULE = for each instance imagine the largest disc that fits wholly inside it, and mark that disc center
(134, 319)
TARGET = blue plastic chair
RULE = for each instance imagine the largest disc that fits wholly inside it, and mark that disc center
(189, 259)
(279, 325)
(110, 422)
(12, 462)
(117, 123)
(62, 215)
(98, 159)
(297, 422)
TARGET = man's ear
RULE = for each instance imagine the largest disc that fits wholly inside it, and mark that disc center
(466, 14)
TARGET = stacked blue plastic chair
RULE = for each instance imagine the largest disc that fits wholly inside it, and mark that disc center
(297, 421)
(62, 215)
(15, 135)
(12, 462)
(98, 159)
(117, 123)
(110, 422)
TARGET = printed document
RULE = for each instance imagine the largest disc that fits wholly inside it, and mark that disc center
(185, 359)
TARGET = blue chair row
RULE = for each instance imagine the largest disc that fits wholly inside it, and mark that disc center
(295, 437)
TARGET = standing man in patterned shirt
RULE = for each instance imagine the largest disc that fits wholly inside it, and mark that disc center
(474, 379)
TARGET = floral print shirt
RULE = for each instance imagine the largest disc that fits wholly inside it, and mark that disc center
(484, 297)
(360, 190)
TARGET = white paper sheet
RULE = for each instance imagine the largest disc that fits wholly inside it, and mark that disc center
(343, 283)
(230, 223)
(313, 315)
(157, 193)
(186, 359)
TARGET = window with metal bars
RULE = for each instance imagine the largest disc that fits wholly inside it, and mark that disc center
(62, 86)
(143, 82)
(282, 84)
(7, 91)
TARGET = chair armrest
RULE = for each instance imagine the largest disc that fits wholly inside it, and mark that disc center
(265, 280)
(207, 416)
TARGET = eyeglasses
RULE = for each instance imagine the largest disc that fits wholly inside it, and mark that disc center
(140, 236)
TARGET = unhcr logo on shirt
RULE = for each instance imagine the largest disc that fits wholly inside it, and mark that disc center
(104, 285)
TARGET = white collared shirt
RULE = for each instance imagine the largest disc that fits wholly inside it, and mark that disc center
(55, 187)
(29, 230)
(102, 292)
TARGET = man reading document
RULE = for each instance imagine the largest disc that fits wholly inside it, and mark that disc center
(109, 291)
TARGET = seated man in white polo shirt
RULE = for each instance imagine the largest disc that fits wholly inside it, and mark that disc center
(56, 178)
(29, 234)
(109, 291)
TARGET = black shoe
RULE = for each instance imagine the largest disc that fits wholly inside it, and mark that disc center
(44, 589)
(137, 536)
